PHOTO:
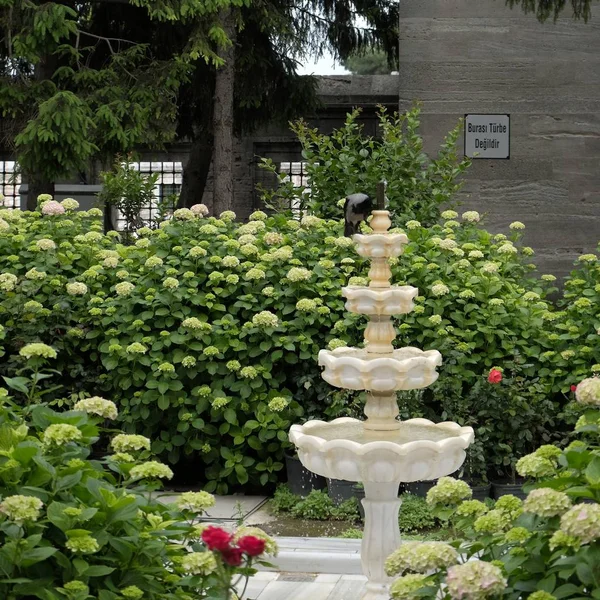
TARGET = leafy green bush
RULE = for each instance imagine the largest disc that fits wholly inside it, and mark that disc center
(352, 534)
(283, 500)
(415, 514)
(317, 506)
(547, 546)
(206, 331)
(347, 162)
(76, 528)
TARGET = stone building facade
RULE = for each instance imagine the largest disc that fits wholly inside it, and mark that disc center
(478, 56)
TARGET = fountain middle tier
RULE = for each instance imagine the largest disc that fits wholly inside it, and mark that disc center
(395, 300)
(403, 369)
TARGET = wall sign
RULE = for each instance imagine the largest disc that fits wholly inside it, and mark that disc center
(487, 136)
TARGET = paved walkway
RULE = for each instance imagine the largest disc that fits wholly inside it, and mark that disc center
(304, 586)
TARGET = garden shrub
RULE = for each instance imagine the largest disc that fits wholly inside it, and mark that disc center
(415, 514)
(206, 331)
(546, 547)
(75, 528)
(347, 162)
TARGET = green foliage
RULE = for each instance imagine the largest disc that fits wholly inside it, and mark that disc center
(318, 506)
(548, 543)
(352, 534)
(546, 9)
(372, 62)
(415, 514)
(283, 500)
(127, 190)
(225, 388)
(347, 161)
(73, 92)
(73, 527)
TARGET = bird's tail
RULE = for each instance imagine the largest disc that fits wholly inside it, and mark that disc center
(349, 229)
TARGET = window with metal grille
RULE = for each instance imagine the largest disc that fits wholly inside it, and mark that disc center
(10, 182)
(166, 191)
(288, 160)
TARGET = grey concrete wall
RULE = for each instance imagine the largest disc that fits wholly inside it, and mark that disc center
(478, 56)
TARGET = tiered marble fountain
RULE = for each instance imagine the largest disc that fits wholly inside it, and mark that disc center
(382, 451)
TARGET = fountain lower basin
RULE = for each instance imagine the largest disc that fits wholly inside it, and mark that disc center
(345, 449)
(356, 369)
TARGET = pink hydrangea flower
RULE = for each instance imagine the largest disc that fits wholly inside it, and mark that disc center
(199, 209)
(53, 208)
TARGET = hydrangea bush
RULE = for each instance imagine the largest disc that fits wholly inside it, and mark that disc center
(205, 331)
(546, 547)
(75, 528)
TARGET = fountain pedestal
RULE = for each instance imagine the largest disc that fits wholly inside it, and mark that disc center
(381, 504)
(382, 451)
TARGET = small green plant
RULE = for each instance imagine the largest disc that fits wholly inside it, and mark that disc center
(346, 510)
(317, 506)
(352, 534)
(415, 514)
(127, 190)
(284, 500)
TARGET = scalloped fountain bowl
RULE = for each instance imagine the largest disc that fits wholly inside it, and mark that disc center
(344, 449)
(396, 300)
(355, 369)
(380, 245)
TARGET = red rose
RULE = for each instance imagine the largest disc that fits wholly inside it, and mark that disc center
(216, 538)
(232, 556)
(251, 545)
(573, 388)
(495, 376)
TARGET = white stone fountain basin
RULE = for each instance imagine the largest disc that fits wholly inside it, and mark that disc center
(355, 369)
(344, 449)
(380, 245)
(396, 300)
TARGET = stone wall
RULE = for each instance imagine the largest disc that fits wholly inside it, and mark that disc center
(478, 56)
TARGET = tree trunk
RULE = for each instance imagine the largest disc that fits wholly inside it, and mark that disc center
(36, 186)
(195, 173)
(223, 121)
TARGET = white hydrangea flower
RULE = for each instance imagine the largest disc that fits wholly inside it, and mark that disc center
(200, 210)
(447, 244)
(265, 318)
(507, 249)
(52, 208)
(124, 442)
(310, 221)
(70, 204)
(278, 404)
(420, 557)
(439, 289)
(45, 244)
(546, 502)
(76, 288)
(448, 491)
(471, 216)
(60, 433)
(124, 288)
(306, 305)
(8, 282)
(582, 522)
(272, 238)
(413, 224)
(258, 215)
(588, 391)
(98, 406)
(19, 508)
(449, 214)
(296, 274)
(475, 580)
(490, 267)
(199, 563)
(196, 502)
(184, 214)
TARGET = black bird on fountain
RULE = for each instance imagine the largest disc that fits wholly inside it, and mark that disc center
(356, 209)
